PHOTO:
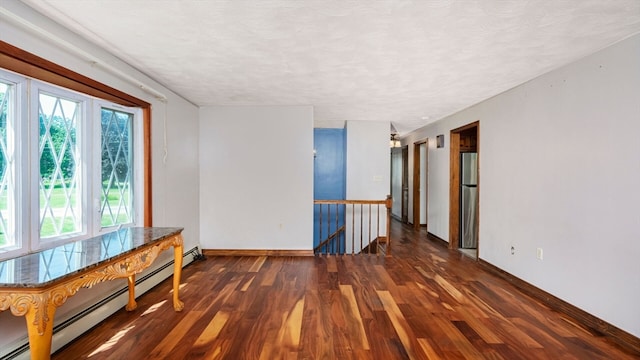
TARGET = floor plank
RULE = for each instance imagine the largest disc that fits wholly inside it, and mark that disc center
(424, 302)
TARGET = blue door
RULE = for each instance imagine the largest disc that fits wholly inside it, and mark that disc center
(329, 183)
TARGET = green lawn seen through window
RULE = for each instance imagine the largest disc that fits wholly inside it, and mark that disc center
(58, 201)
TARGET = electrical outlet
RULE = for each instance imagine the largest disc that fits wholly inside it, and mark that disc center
(539, 253)
(513, 250)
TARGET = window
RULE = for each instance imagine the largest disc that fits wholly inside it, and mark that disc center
(60, 120)
(11, 95)
(116, 167)
(77, 167)
(6, 170)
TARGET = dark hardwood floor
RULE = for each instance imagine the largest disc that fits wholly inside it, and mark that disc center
(424, 302)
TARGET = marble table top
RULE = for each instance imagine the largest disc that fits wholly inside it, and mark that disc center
(45, 267)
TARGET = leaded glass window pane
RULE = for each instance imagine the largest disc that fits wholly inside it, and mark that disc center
(117, 168)
(60, 159)
(7, 165)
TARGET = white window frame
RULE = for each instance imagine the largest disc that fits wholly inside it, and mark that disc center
(20, 129)
(83, 132)
(138, 165)
(88, 132)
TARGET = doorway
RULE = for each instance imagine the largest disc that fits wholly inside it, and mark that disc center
(400, 183)
(420, 159)
(463, 217)
(329, 180)
(405, 184)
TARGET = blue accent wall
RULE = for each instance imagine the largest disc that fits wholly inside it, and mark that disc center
(329, 178)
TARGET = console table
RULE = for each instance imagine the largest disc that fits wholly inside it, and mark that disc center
(34, 285)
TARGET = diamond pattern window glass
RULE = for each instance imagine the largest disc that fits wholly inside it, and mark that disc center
(60, 160)
(69, 165)
(117, 168)
(7, 165)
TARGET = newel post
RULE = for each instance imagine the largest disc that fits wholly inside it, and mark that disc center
(388, 204)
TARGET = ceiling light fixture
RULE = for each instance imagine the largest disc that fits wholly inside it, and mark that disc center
(394, 143)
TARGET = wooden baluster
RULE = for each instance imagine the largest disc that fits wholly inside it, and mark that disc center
(328, 245)
(388, 204)
(341, 236)
(378, 230)
(353, 228)
(369, 233)
(337, 237)
(361, 226)
(339, 249)
(332, 241)
(342, 250)
(319, 226)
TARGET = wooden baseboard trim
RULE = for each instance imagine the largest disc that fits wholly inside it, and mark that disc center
(224, 252)
(437, 239)
(617, 335)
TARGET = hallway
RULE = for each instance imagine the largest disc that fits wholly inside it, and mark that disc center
(424, 302)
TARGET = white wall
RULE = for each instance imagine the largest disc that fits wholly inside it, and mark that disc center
(256, 176)
(174, 182)
(368, 175)
(368, 160)
(559, 168)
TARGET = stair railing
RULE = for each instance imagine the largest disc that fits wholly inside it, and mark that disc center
(353, 226)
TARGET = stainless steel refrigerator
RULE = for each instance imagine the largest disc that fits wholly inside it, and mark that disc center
(468, 200)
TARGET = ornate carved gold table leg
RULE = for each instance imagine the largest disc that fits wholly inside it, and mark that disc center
(177, 272)
(39, 317)
(131, 305)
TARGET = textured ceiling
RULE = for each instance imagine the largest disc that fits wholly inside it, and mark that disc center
(408, 62)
